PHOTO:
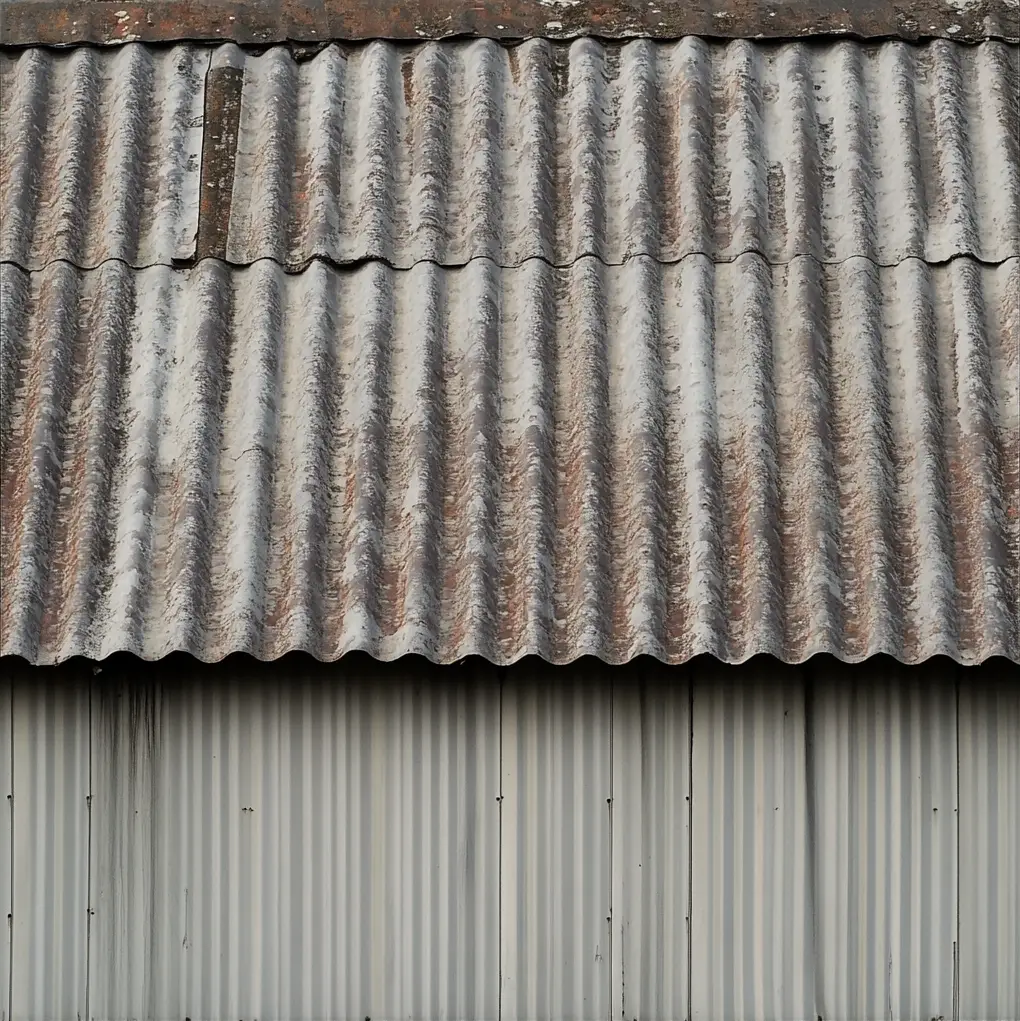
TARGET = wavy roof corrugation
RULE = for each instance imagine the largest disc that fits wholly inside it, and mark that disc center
(660, 348)
(729, 458)
(454, 151)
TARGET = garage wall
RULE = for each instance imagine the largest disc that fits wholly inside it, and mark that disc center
(256, 841)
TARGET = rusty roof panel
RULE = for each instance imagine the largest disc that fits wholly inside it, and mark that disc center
(644, 458)
(100, 154)
(111, 22)
(453, 151)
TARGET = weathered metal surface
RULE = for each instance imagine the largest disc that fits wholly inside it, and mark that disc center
(556, 846)
(6, 838)
(614, 461)
(50, 783)
(458, 150)
(61, 22)
(990, 846)
(302, 840)
(884, 837)
(100, 155)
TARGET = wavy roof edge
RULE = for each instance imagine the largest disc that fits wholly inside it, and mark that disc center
(262, 22)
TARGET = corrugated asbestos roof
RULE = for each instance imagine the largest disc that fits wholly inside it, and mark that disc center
(659, 348)
(455, 151)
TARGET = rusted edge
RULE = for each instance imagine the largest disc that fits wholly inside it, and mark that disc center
(254, 22)
(223, 86)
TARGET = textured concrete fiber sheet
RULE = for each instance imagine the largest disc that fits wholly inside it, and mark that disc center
(294, 840)
(113, 22)
(732, 458)
(452, 151)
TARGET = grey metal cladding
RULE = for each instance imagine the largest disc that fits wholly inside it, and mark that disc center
(464, 149)
(728, 458)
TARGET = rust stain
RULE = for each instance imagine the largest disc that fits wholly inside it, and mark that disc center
(219, 151)
(259, 22)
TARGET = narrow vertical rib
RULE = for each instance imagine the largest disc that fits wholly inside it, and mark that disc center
(954, 230)
(633, 193)
(582, 449)
(901, 202)
(122, 158)
(367, 311)
(528, 354)
(319, 171)
(68, 153)
(995, 148)
(23, 129)
(122, 609)
(262, 218)
(686, 150)
(848, 222)
(95, 446)
(584, 141)
(475, 224)
(198, 380)
(34, 491)
(794, 182)
(307, 404)
(427, 97)
(370, 199)
(531, 161)
(923, 528)
(747, 440)
(248, 459)
(696, 620)
(741, 210)
(410, 571)
(636, 496)
(981, 548)
(861, 444)
(471, 408)
(806, 485)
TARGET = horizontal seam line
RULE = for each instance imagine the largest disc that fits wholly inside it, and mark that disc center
(294, 269)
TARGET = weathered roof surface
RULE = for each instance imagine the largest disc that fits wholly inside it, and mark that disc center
(667, 459)
(110, 22)
(457, 348)
(454, 151)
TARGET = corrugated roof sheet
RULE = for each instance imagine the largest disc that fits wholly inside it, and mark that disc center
(613, 460)
(652, 348)
(454, 151)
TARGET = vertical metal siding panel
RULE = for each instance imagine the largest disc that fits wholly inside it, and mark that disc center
(751, 936)
(650, 851)
(990, 847)
(6, 840)
(51, 818)
(555, 845)
(884, 788)
(314, 850)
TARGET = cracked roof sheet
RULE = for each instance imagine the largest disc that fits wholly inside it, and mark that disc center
(589, 348)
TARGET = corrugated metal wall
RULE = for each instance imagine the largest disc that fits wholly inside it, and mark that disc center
(301, 841)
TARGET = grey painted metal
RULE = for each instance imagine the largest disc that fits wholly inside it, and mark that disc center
(752, 906)
(614, 461)
(990, 849)
(555, 840)
(458, 150)
(6, 842)
(301, 840)
(50, 852)
(327, 848)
